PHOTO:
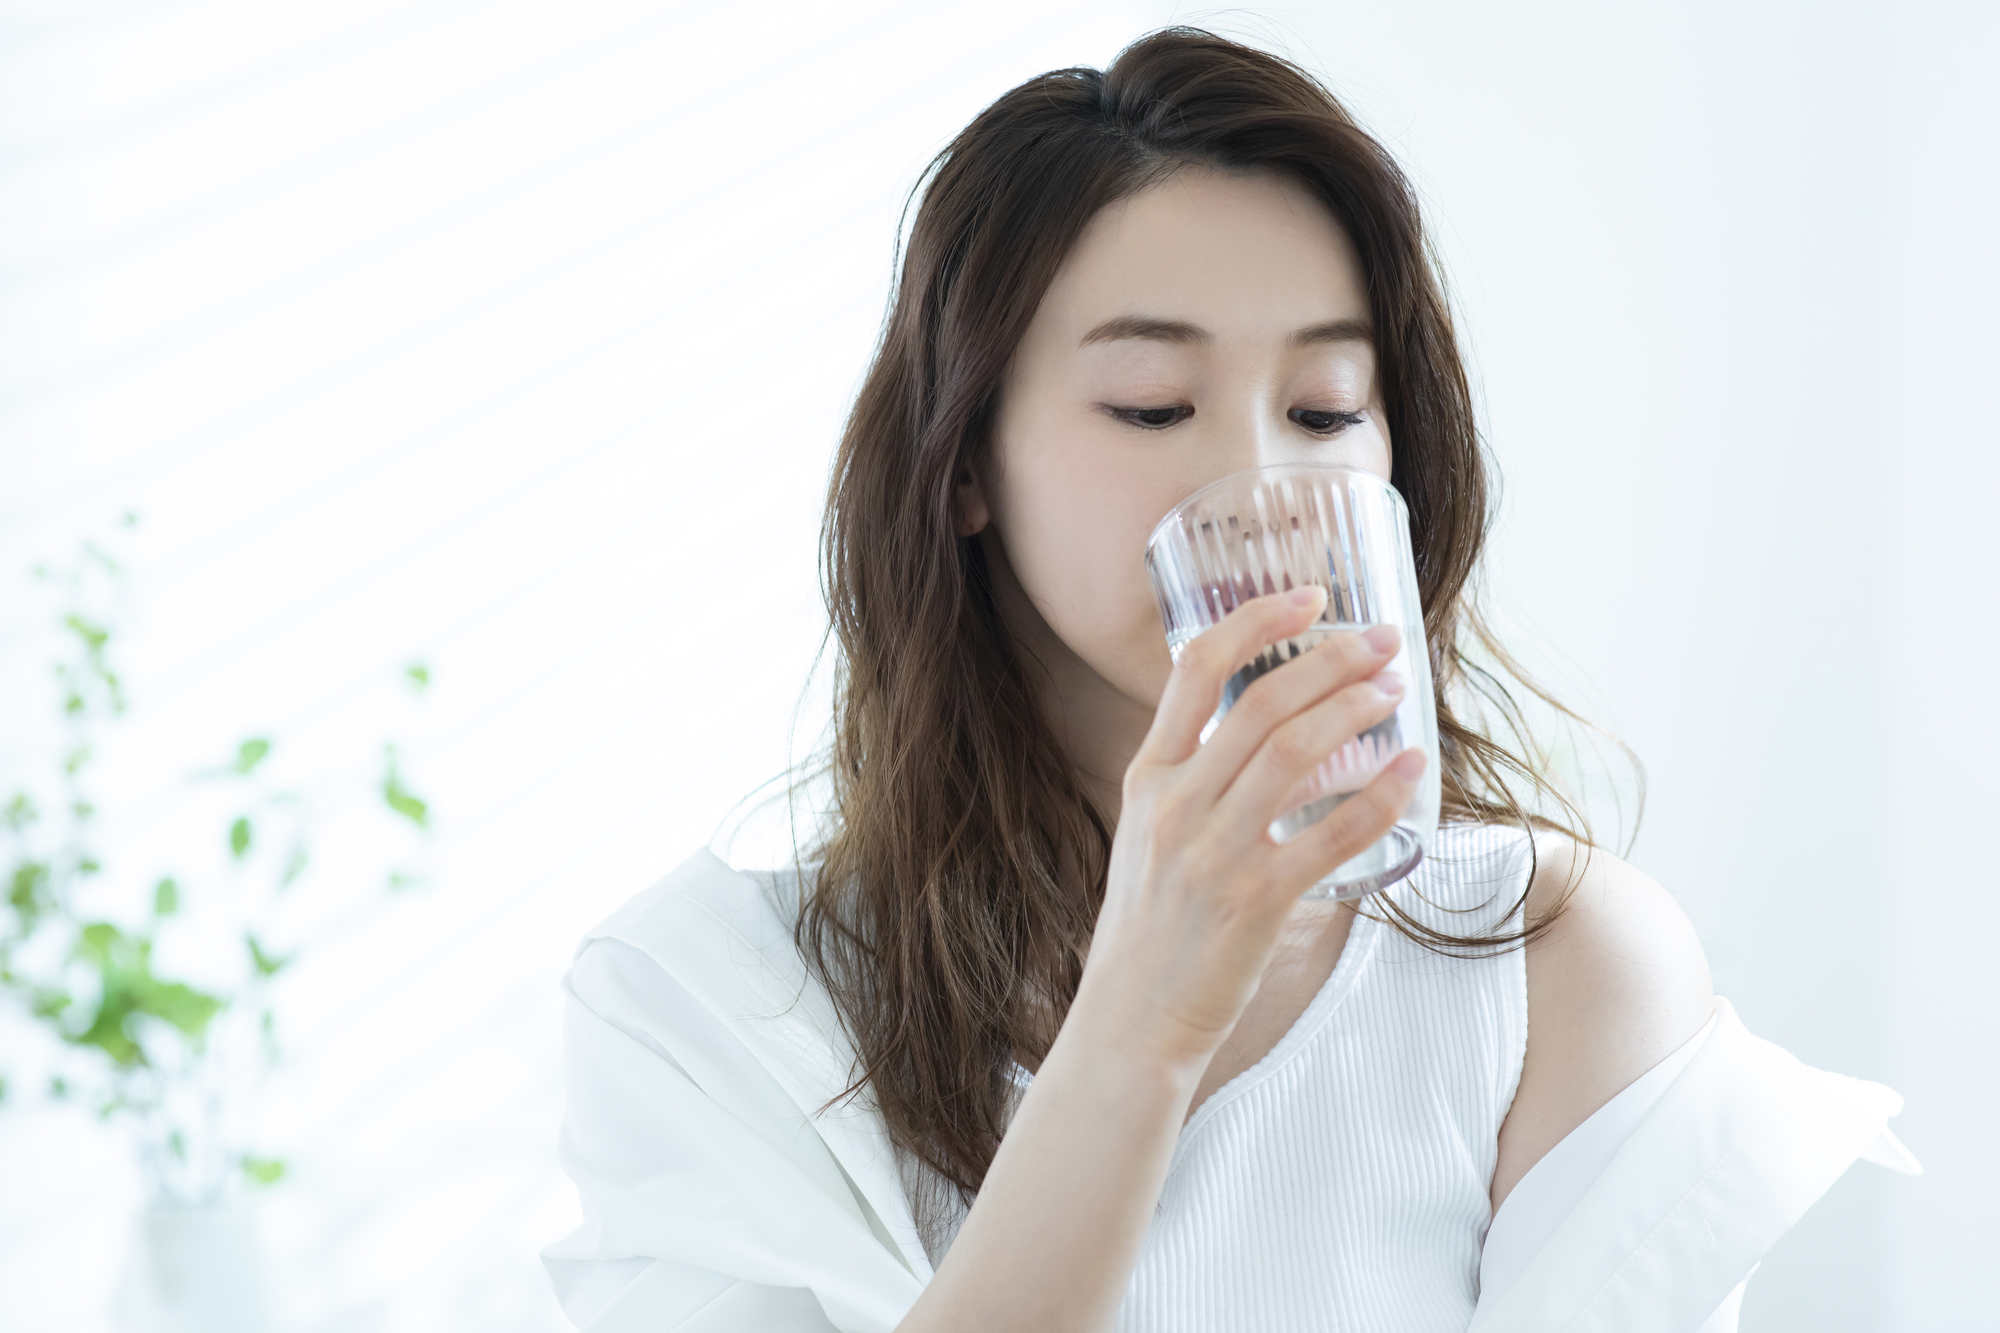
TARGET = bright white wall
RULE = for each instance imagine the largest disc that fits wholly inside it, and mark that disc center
(505, 334)
(1939, 905)
(515, 336)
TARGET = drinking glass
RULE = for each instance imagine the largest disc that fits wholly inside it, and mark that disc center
(1270, 528)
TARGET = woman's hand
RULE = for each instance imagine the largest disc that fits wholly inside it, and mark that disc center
(1198, 890)
(1197, 893)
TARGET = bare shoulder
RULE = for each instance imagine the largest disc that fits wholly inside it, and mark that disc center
(1616, 984)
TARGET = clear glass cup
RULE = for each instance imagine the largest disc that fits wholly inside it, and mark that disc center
(1267, 529)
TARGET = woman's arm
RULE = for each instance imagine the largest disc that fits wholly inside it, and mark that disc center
(1194, 901)
(1053, 1235)
(1618, 983)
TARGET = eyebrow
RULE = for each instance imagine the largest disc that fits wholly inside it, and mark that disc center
(1334, 331)
(1147, 327)
(1153, 329)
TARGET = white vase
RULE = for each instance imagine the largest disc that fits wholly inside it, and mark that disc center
(195, 1270)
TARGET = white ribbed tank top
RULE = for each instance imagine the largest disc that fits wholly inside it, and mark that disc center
(1341, 1182)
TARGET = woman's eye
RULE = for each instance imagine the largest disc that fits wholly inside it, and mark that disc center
(1153, 418)
(1325, 423)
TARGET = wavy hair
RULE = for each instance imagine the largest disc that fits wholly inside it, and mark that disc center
(961, 866)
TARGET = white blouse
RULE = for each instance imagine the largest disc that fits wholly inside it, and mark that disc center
(1344, 1180)
(717, 1200)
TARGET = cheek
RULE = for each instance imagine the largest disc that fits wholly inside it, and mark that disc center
(1381, 456)
(1076, 526)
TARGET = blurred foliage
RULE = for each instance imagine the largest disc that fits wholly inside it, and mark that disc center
(399, 797)
(263, 1170)
(91, 981)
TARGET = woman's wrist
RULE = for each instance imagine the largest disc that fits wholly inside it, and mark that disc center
(1121, 1031)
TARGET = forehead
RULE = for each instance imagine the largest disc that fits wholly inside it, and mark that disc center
(1244, 254)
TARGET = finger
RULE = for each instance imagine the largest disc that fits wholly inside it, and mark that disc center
(1211, 657)
(1278, 696)
(1318, 752)
(1350, 828)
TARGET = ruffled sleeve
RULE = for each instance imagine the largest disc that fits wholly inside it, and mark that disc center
(1651, 1215)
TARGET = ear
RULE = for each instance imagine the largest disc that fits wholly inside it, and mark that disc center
(973, 512)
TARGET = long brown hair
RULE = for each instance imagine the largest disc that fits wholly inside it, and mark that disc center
(962, 866)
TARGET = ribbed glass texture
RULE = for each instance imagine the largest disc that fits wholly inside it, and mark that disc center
(1283, 526)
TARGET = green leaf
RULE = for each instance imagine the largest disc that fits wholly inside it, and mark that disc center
(263, 1170)
(107, 1033)
(122, 963)
(251, 753)
(177, 1145)
(294, 866)
(86, 866)
(19, 813)
(239, 837)
(130, 989)
(419, 674)
(400, 798)
(28, 892)
(185, 1007)
(74, 761)
(398, 881)
(58, 1088)
(93, 636)
(267, 965)
(166, 898)
(98, 940)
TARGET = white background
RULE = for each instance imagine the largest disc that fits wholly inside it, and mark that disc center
(514, 337)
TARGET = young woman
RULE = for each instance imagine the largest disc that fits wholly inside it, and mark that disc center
(1040, 1034)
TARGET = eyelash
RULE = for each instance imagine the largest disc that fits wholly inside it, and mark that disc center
(1340, 420)
(1130, 416)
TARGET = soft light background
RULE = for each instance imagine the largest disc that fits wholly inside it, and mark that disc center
(513, 336)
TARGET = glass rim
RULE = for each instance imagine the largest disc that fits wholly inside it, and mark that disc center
(1241, 475)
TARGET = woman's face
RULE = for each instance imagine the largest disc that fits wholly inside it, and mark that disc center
(1210, 323)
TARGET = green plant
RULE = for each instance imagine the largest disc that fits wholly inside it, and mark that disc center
(176, 1058)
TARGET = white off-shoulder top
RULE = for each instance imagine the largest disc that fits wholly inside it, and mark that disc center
(1339, 1183)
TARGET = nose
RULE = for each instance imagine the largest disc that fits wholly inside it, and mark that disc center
(1251, 434)
(1239, 431)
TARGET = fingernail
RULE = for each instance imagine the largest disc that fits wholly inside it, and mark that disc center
(1303, 595)
(1389, 683)
(1383, 638)
(1409, 765)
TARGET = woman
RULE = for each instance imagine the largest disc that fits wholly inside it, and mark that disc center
(1039, 1033)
